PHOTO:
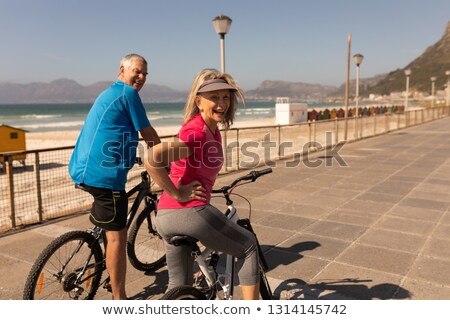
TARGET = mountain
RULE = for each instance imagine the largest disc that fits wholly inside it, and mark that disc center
(269, 90)
(364, 85)
(433, 62)
(69, 91)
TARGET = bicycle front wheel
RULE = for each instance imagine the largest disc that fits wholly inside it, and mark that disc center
(145, 246)
(69, 268)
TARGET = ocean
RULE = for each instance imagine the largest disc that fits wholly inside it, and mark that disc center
(65, 117)
(68, 117)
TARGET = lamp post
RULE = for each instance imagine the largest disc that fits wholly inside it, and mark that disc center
(357, 58)
(447, 73)
(347, 81)
(222, 25)
(407, 74)
(433, 86)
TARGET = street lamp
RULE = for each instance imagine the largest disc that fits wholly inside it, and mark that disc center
(433, 82)
(357, 58)
(407, 74)
(222, 24)
(447, 73)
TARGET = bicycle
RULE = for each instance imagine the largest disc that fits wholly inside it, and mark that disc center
(208, 283)
(71, 266)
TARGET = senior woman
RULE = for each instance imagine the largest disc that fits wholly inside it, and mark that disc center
(196, 158)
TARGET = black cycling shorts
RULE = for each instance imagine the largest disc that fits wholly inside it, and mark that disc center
(109, 209)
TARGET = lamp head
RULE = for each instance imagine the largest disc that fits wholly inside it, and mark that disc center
(358, 58)
(222, 24)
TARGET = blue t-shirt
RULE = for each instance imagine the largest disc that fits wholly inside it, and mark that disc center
(106, 148)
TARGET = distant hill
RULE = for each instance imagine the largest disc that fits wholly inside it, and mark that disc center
(269, 90)
(69, 91)
(433, 62)
(364, 84)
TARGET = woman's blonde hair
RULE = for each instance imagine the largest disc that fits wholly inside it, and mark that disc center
(191, 108)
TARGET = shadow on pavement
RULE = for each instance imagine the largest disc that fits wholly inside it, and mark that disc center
(155, 289)
(336, 289)
(339, 289)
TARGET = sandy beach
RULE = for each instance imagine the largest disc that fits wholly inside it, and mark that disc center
(53, 139)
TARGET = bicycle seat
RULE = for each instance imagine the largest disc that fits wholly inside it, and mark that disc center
(182, 240)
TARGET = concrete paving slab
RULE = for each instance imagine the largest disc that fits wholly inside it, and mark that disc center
(352, 217)
(423, 290)
(407, 225)
(337, 230)
(393, 240)
(313, 245)
(437, 248)
(431, 269)
(381, 259)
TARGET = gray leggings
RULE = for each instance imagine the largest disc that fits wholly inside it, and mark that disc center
(212, 229)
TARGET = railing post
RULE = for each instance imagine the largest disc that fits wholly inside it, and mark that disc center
(336, 130)
(37, 171)
(361, 125)
(375, 124)
(238, 149)
(279, 142)
(225, 150)
(10, 178)
(309, 135)
(315, 134)
(386, 122)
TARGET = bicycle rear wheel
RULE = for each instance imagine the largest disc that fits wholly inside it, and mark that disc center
(58, 273)
(145, 246)
(184, 293)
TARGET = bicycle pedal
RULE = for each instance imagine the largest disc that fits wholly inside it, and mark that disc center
(108, 287)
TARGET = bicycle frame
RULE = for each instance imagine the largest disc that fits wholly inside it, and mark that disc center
(144, 189)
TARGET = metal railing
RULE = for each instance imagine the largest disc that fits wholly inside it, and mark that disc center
(40, 188)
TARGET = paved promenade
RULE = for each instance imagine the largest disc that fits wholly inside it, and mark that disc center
(375, 228)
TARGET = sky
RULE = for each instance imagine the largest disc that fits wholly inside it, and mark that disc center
(287, 40)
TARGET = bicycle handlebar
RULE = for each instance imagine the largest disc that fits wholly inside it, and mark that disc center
(253, 175)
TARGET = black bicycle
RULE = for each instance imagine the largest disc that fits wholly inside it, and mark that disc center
(71, 266)
(209, 282)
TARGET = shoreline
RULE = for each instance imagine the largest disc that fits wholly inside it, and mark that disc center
(65, 138)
